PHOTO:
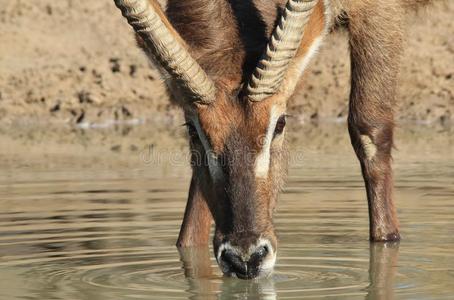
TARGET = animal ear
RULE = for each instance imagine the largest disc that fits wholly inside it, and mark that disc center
(316, 30)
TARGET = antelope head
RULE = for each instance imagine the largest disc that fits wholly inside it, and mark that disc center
(236, 128)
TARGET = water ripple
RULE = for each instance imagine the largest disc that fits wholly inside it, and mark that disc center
(114, 240)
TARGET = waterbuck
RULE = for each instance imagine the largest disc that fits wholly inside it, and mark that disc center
(232, 65)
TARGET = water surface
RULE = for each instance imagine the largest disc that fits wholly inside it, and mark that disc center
(75, 227)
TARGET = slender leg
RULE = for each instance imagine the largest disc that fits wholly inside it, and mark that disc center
(195, 229)
(375, 42)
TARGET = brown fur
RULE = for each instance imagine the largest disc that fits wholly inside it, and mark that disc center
(376, 46)
(314, 29)
(197, 220)
(227, 37)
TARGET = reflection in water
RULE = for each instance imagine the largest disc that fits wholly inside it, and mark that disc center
(56, 245)
(248, 289)
(78, 230)
(382, 270)
(196, 262)
(199, 271)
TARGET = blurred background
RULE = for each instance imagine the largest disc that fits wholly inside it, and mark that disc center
(76, 62)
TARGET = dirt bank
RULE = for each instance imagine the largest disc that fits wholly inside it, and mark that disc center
(75, 62)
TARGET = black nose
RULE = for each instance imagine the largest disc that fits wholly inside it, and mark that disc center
(245, 269)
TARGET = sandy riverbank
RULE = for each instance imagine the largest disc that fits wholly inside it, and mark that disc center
(75, 62)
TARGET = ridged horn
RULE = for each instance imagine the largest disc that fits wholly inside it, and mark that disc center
(281, 49)
(168, 52)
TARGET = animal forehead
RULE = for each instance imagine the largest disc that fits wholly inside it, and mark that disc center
(223, 121)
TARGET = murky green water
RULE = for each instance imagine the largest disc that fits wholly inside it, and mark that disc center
(78, 229)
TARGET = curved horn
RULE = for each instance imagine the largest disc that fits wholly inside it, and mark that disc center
(169, 53)
(281, 49)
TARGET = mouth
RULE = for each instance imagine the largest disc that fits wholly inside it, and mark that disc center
(259, 264)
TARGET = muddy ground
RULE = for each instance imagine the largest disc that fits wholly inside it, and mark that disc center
(76, 62)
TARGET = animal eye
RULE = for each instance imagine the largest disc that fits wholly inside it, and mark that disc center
(192, 131)
(280, 125)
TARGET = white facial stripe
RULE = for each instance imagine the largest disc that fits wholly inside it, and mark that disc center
(213, 164)
(262, 163)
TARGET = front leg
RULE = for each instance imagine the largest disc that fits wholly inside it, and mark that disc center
(375, 42)
(195, 229)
